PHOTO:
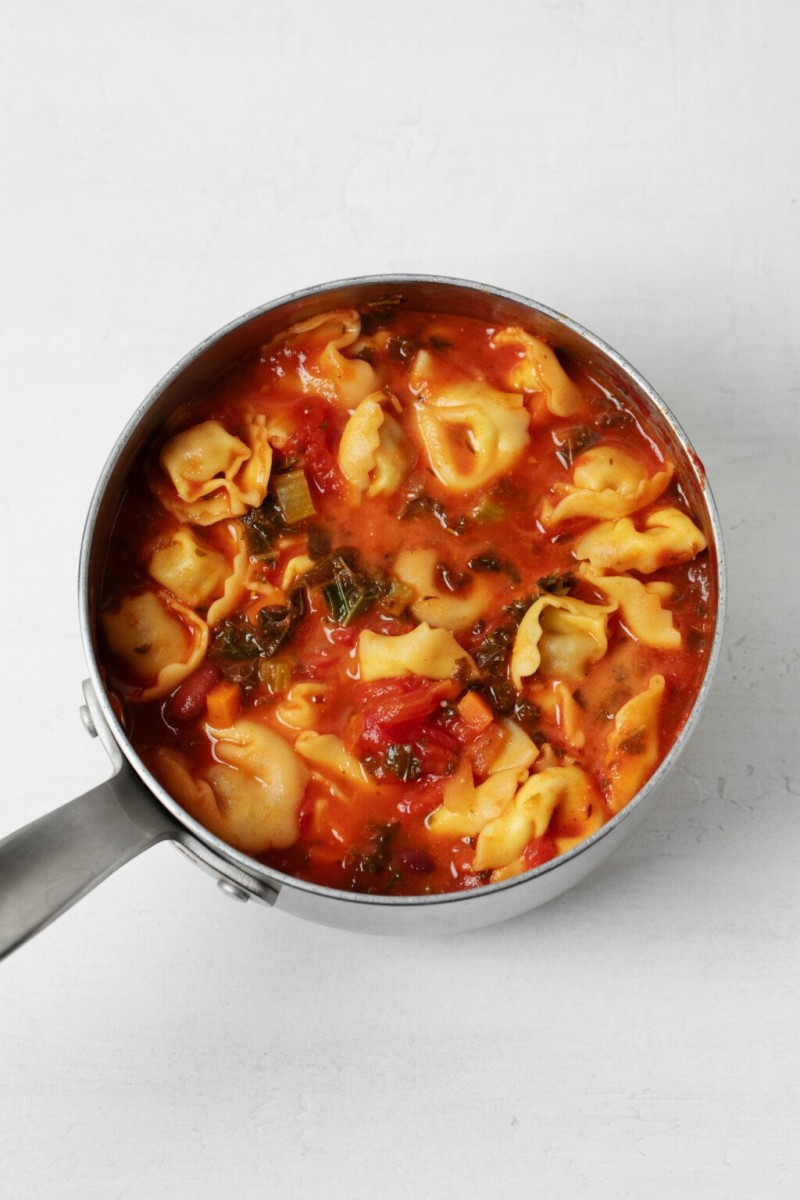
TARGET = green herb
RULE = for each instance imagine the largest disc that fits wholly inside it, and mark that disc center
(348, 592)
(397, 599)
(401, 761)
(488, 509)
(574, 442)
(557, 584)
(264, 525)
(374, 857)
(420, 504)
(488, 561)
(235, 639)
(293, 496)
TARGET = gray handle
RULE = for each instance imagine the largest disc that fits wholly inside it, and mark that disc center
(50, 864)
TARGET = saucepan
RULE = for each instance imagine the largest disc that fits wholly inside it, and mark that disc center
(54, 861)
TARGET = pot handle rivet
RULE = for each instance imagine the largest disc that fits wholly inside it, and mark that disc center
(233, 890)
(88, 722)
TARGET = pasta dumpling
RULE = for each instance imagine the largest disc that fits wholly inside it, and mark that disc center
(159, 640)
(326, 753)
(200, 575)
(561, 637)
(538, 370)
(472, 433)
(322, 369)
(212, 474)
(668, 537)
(434, 604)
(374, 452)
(640, 606)
(633, 744)
(607, 482)
(528, 815)
(251, 794)
(430, 653)
(466, 809)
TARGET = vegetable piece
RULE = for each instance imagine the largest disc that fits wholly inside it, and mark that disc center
(347, 591)
(275, 675)
(293, 496)
(475, 712)
(264, 525)
(558, 584)
(488, 509)
(223, 704)
(188, 701)
(401, 761)
(397, 599)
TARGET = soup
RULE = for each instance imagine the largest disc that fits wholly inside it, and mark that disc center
(405, 603)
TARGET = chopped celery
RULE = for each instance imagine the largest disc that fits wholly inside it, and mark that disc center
(488, 510)
(275, 674)
(293, 495)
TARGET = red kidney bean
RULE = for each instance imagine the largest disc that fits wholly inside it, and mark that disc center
(416, 860)
(188, 701)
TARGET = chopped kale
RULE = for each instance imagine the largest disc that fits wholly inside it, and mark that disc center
(578, 439)
(264, 525)
(373, 857)
(558, 584)
(400, 760)
(420, 504)
(488, 561)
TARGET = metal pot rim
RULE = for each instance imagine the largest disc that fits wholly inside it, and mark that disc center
(268, 876)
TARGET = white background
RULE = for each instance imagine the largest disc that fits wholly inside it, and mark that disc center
(167, 166)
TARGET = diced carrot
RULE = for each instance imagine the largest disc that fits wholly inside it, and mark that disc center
(223, 704)
(475, 712)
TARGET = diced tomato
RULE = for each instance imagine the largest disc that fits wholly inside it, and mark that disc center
(539, 851)
(319, 463)
(392, 703)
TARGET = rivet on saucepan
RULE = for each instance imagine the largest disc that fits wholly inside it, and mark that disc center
(88, 723)
(233, 890)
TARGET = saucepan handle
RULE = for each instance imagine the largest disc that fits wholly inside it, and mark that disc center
(50, 864)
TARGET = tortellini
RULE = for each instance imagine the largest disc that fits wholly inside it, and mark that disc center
(432, 602)
(214, 475)
(528, 815)
(561, 637)
(326, 753)
(640, 606)
(633, 744)
(430, 653)
(375, 453)
(323, 369)
(159, 640)
(668, 537)
(301, 707)
(466, 809)
(472, 433)
(607, 482)
(538, 370)
(200, 575)
(251, 794)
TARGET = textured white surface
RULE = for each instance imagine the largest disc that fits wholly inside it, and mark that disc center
(167, 166)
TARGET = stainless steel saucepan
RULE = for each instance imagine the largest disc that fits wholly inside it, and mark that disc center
(48, 865)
